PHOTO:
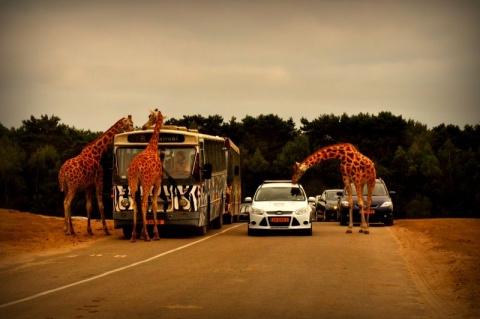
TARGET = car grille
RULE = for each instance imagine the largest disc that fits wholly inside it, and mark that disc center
(279, 212)
(365, 206)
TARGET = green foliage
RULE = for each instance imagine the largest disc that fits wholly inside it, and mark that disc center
(434, 172)
(12, 183)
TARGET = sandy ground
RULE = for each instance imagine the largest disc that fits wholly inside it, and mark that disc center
(442, 255)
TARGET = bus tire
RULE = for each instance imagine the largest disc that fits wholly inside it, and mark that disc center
(127, 231)
(227, 219)
(218, 222)
(202, 230)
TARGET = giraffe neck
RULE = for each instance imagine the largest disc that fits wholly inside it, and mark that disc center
(96, 148)
(153, 144)
(342, 152)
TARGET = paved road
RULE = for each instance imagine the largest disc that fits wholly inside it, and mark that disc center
(223, 275)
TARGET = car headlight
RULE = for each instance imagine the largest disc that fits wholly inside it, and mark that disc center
(344, 203)
(303, 210)
(387, 204)
(256, 211)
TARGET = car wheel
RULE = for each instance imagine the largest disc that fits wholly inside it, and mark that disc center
(308, 232)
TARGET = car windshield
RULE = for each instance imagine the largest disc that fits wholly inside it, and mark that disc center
(331, 195)
(379, 190)
(279, 194)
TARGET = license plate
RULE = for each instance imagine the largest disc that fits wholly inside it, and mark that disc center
(280, 220)
(152, 222)
(367, 212)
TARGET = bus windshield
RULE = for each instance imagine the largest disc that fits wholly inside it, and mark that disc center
(177, 161)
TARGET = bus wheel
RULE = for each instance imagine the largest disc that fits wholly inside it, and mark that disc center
(202, 230)
(127, 231)
(227, 219)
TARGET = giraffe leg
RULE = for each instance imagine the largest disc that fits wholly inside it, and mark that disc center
(361, 204)
(101, 209)
(144, 234)
(67, 202)
(88, 195)
(369, 204)
(350, 204)
(350, 223)
(135, 210)
(156, 191)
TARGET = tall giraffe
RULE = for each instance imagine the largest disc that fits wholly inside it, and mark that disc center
(84, 172)
(355, 167)
(146, 170)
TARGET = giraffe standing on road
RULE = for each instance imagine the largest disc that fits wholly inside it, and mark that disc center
(84, 172)
(355, 167)
(146, 170)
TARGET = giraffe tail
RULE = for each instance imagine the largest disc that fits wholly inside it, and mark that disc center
(61, 181)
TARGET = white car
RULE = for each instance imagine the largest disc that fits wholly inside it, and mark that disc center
(280, 205)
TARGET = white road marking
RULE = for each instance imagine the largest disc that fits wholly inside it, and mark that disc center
(115, 270)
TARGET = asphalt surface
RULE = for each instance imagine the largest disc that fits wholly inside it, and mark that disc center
(225, 274)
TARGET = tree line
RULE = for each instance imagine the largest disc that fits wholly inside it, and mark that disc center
(434, 172)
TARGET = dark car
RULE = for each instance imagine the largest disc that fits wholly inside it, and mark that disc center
(243, 216)
(327, 205)
(381, 210)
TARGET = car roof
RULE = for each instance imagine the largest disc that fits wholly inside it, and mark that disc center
(279, 184)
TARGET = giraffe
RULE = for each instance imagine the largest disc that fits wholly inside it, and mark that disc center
(355, 167)
(84, 172)
(146, 170)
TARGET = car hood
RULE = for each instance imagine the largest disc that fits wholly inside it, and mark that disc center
(272, 206)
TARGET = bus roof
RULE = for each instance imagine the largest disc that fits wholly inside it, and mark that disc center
(192, 134)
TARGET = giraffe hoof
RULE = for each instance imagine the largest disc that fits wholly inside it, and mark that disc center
(349, 231)
(366, 232)
(133, 240)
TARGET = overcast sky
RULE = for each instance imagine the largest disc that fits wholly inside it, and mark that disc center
(93, 62)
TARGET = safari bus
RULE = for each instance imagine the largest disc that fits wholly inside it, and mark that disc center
(201, 185)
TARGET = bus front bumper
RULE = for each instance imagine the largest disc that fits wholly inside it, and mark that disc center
(125, 218)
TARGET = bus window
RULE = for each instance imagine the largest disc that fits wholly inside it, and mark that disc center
(179, 163)
(124, 157)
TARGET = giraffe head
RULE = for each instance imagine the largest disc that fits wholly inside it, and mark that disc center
(128, 124)
(153, 119)
(298, 171)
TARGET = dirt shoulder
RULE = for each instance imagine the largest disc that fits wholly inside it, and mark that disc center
(442, 255)
(24, 234)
